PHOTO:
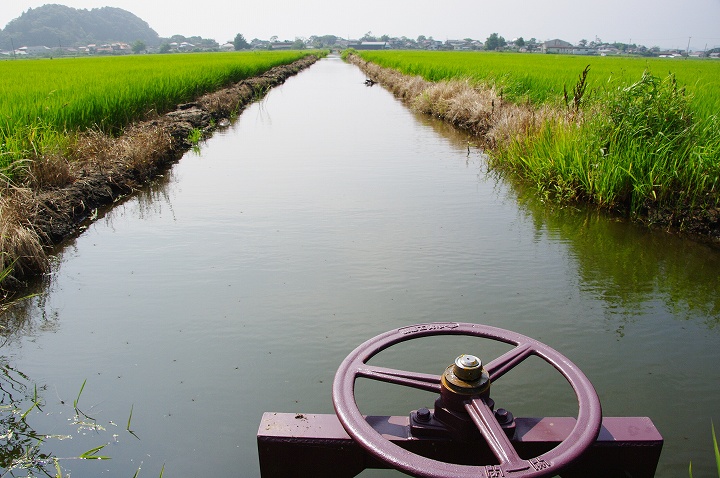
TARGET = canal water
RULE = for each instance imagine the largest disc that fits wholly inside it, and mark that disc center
(328, 213)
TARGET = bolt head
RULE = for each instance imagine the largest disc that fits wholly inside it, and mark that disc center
(423, 415)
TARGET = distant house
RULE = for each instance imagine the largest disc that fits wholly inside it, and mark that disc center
(563, 47)
(283, 45)
(227, 47)
(371, 45)
(104, 49)
(34, 50)
(457, 45)
(557, 46)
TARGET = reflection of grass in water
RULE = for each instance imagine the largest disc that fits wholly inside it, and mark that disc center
(22, 446)
(629, 266)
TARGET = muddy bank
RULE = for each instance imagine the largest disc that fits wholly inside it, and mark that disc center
(57, 193)
(483, 113)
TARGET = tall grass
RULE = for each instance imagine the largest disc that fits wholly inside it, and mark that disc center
(42, 101)
(639, 148)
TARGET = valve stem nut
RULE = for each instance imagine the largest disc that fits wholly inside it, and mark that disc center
(468, 368)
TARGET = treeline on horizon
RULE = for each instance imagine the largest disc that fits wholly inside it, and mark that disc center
(61, 27)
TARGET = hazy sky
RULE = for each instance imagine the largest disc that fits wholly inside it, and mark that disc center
(665, 23)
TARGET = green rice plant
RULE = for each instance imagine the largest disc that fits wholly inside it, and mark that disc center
(195, 136)
(128, 423)
(92, 454)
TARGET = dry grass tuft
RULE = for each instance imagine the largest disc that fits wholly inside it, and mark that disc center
(51, 171)
(22, 251)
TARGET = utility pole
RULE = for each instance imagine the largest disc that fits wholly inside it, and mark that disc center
(687, 52)
(12, 45)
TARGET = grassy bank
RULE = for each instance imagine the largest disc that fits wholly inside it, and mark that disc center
(80, 134)
(42, 102)
(614, 132)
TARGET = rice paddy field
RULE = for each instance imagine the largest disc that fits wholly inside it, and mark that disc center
(541, 78)
(640, 136)
(43, 101)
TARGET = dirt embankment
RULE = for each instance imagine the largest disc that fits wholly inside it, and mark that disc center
(483, 113)
(56, 193)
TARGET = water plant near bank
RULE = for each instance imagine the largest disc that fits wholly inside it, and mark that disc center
(29, 451)
(717, 452)
(608, 131)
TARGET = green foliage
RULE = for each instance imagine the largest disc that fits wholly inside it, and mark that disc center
(240, 43)
(641, 147)
(717, 451)
(494, 41)
(195, 136)
(139, 46)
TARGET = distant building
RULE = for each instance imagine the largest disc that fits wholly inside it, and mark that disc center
(34, 50)
(371, 45)
(563, 47)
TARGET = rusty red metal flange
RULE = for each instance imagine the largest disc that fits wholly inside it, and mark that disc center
(510, 464)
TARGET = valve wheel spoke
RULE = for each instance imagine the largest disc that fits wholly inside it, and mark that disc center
(509, 360)
(492, 432)
(421, 381)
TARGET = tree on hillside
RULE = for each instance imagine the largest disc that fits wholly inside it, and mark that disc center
(138, 46)
(240, 43)
(494, 41)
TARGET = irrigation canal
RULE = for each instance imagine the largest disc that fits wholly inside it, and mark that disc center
(326, 214)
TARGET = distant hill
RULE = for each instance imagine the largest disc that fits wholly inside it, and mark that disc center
(58, 25)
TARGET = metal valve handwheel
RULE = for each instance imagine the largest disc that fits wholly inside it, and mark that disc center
(510, 464)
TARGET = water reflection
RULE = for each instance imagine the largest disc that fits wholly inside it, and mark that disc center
(630, 267)
(21, 443)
